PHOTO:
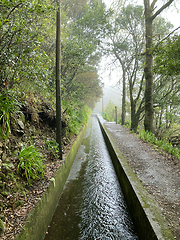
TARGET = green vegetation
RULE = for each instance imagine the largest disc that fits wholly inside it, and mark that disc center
(110, 112)
(162, 143)
(54, 148)
(28, 89)
(88, 30)
(166, 56)
(31, 162)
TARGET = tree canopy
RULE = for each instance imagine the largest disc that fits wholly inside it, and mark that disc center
(167, 60)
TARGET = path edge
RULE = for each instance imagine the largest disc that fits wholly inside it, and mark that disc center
(144, 210)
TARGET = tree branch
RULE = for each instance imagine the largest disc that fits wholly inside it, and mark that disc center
(13, 9)
(161, 9)
(153, 4)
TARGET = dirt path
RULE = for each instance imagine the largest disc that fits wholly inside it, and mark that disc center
(158, 172)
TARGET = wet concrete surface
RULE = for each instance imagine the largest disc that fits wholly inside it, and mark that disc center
(158, 173)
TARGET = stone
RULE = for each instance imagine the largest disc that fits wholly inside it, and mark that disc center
(21, 124)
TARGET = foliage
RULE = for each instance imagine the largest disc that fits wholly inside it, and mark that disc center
(167, 57)
(75, 116)
(80, 55)
(109, 112)
(53, 146)
(31, 161)
(150, 137)
(74, 8)
(127, 124)
(166, 100)
(20, 22)
(8, 105)
(126, 44)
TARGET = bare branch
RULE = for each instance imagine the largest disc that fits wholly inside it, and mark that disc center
(161, 9)
(153, 4)
(166, 37)
(13, 10)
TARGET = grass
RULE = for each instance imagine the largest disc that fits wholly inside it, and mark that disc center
(150, 137)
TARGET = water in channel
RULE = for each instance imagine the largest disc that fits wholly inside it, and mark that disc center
(92, 205)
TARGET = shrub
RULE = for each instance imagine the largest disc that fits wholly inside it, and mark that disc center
(53, 146)
(31, 161)
(8, 105)
(150, 137)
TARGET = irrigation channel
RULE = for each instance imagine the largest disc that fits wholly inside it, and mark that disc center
(92, 204)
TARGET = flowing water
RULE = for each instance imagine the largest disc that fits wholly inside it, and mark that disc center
(92, 205)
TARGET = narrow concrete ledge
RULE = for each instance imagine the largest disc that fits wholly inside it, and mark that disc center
(40, 217)
(145, 212)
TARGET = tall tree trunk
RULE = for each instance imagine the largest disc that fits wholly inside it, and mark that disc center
(123, 115)
(134, 117)
(148, 121)
(149, 17)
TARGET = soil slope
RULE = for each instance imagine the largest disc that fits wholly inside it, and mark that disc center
(158, 171)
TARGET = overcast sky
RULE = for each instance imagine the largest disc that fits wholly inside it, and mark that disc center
(171, 13)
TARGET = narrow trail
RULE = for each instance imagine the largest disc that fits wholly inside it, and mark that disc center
(158, 172)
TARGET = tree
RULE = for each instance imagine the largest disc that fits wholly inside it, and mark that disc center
(74, 8)
(80, 49)
(127, 37)
(167, 56)
(166, 100)
(166, 85)
(149, 17)
(20, 43)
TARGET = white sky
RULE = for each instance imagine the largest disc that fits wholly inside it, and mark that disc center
(111, 77)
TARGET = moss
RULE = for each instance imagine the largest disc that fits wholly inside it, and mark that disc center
(2, 217)
(11, 177)
(2, 227)
(19, 203)
(18, 187)
(5, 194)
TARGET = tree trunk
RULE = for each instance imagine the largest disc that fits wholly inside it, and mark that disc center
(134, 117)
(123, 115)
(149, 17)
(148, 121)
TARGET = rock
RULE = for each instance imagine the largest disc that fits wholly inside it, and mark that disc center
(19, 132)
(21, 124)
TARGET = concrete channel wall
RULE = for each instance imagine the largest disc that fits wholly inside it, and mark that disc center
(40, 217)
(146, 214)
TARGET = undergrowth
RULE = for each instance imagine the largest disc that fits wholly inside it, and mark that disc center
(150, 137)
(31, 162)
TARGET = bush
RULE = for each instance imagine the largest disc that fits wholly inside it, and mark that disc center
(150, 137)
(8, 105)
(31, 161)
(53, 146)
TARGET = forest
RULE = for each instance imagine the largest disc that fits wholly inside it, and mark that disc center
(144, 47)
